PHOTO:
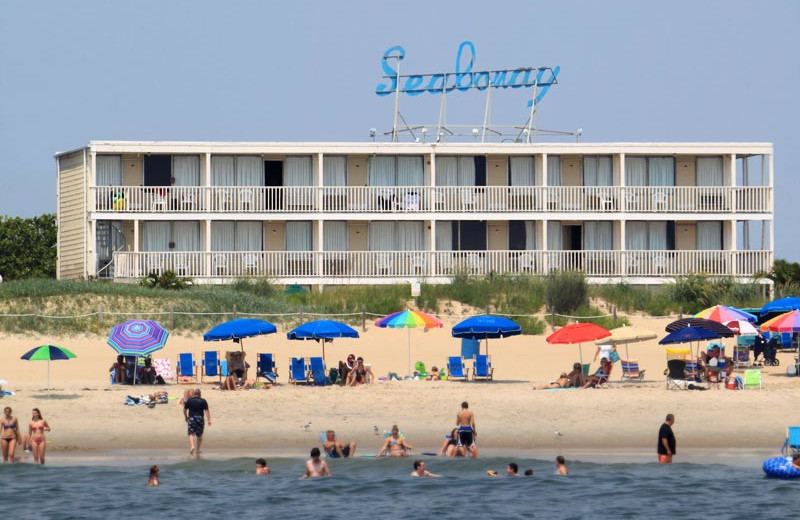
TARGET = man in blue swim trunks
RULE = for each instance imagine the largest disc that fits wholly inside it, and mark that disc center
(336, 449)
(467, 432)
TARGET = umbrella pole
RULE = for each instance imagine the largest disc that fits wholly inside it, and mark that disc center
(408, 330)
(48, 376)
(580, 353)
(627, 355)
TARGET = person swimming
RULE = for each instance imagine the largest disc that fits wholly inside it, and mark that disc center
(153, 480)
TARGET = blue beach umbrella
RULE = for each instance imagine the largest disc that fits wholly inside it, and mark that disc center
(791, 303)
(238, 329)
(323, 330)
(486, 326)
(688, 334)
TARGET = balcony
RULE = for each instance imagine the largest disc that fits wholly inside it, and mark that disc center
(332, 267)
(428, 199)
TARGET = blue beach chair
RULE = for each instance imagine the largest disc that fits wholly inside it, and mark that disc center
(186, 368)
(298, 372)
(792, 443)
(482, 368)
(455, 368)
(210, 364)
(318, 373)
(265, 367)
(630, 370)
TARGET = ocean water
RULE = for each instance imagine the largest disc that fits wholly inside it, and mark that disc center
(369, 488)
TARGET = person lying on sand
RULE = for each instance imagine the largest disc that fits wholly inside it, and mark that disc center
(561, 382)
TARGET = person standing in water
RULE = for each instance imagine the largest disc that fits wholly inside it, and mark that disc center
(561, 466)
(465, 420)
(316, 467)
(153, 480)
(666, 441)
(36, 430)
(10, 434)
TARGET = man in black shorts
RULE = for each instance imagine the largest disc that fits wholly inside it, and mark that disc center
(465, 420)
(193, 410)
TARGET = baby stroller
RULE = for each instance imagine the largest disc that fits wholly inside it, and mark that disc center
(770, 349)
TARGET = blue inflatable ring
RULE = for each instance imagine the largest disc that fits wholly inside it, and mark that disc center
(780, 467)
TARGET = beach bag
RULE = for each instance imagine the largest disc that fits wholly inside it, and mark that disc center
(333, 376)
(613, 356)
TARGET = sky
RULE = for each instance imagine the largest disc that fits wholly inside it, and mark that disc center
(235, 70)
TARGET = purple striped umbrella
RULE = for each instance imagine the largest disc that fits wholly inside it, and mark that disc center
(138, 337)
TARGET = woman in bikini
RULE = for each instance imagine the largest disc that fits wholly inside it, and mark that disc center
(450, 446)
(10, 434)
(395, 445)
(561, 382)
(36, 430)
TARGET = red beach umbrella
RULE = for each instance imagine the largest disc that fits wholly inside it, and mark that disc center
(577, 333)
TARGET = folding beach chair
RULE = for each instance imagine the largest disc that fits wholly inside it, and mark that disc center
(318, 374)
(752, 379)
(482, 368)
(741, 356)
(298, 372)
(693, 371)
(676, 374)
(792, 443)
(630, 370)
(210, 365)
(186, 368)
(265, 367)
(455, 368)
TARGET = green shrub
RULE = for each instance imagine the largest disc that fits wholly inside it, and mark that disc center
(565, 291)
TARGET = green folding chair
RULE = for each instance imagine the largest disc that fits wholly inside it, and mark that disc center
(752, 379)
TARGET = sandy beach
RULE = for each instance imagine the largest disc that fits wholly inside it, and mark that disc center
(87, 414)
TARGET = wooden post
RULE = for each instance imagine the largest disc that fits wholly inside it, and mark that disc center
(614, 314)
(171, 316)
(552, 319)
(100, 313)
(363, 319)
(234, 312)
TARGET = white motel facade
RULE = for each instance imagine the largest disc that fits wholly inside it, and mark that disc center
(321, 214)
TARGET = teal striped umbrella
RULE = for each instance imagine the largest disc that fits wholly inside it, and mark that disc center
(47, 353)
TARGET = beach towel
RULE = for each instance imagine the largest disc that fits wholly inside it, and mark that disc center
(163, 367)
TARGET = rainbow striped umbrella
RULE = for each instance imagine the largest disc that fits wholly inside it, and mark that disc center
(138, 337)
(786, 322)
(409, 319)
(722, 313)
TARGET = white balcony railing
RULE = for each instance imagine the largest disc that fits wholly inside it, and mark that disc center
(439, 199)
(346, 265)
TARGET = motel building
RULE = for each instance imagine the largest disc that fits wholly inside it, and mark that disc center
(321, 214)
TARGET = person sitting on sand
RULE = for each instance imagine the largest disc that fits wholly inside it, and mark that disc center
(120, 370)
(561, 382)
(395, 445)
(148, 375)
(561, 466)
(153, 480)
(361, 374)
(336, 449)
(316, 467)
(421, 471)
(345, 367)
(577, 378)
(601, 376)
(450, 447)
(261, 467)
(433, 375)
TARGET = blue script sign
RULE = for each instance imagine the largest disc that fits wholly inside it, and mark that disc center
(464, 78)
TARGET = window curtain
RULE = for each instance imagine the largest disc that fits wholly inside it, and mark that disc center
(155, 236)
(297, 171)
(657, 236)
(334, 171)
(709, 236)
(249, 236)
(409, 171)
(249, 171)
(661, 171)
(530, 235)
(444, 235)
(522, 171)
(334, 236)
(709, 171)
(381, 171)
(186, 170)
(635, 171)
(554, 236)
(223, 172)
(298, 236)
(636, 236)
(598, 236)
(186, 236)
(109, 170)
(381, 236)
(409, 236)
(466, 171)
(597, 171)
(554, 171)
(446, 171)
(223, 236)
